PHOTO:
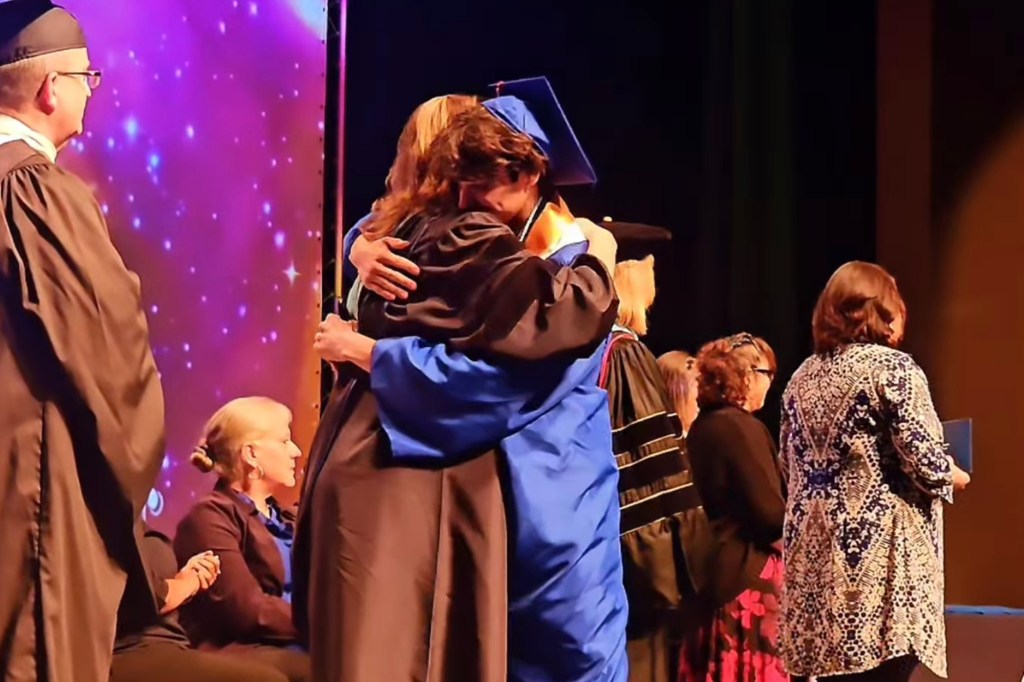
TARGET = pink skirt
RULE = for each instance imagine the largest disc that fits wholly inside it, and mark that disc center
(740, 644)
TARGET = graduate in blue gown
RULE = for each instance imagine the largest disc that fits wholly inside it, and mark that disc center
(567, 608)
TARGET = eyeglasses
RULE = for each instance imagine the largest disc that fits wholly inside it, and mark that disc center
(91, 78)
(747, 339)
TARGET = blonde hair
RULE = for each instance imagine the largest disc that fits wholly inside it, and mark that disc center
(224, 436)
(634, 284)
(420, 131)
(679, 370)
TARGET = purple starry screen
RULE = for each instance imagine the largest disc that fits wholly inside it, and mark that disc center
(204, 147)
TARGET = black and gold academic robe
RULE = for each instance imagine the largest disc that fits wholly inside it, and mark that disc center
(665, 536)
(401, 572)
(81, 426)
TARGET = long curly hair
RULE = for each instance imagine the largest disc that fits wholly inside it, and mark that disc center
(476, 147)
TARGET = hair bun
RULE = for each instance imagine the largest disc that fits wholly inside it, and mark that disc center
(201, 459)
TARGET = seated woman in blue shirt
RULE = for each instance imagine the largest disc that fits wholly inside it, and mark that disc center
(248, 444)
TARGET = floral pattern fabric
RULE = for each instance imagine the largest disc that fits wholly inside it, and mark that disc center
(741, 642)
(866, 469)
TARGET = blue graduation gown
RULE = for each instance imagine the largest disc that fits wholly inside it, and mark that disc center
(567, 604)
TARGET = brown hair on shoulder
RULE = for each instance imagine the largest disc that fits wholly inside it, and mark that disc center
(425, 123)
(420, 131)
(857, 305)
(677, 365)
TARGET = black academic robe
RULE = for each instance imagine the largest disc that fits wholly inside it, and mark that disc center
(665, 534)
(81, 426)
(400, 573)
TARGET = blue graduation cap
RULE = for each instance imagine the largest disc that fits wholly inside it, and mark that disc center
(959, 437)
(529, 106)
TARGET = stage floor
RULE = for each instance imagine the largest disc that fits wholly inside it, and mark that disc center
(985, 644)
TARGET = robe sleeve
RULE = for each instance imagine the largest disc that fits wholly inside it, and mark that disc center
(440, 404)
(487, 296)
(915, 427)
(71, 300)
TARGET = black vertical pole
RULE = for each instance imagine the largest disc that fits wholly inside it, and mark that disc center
(330, 271)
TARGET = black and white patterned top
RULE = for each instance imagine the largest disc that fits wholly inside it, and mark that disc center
(863, 454)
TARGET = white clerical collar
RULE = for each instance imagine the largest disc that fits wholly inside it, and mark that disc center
(625, 330)
(13, 130)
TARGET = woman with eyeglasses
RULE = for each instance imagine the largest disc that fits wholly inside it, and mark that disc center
(867, 472)
(736, 471)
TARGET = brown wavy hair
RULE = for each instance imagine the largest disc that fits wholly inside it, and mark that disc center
(857, 305)
(723, 369)
(420, 131)
(476, 147)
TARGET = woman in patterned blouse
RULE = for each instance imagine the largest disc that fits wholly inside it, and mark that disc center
(736, 471)
(867, 470)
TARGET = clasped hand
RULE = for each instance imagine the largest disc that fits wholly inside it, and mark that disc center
(334, 339)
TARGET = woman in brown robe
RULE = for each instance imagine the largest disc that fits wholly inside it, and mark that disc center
(400, 572)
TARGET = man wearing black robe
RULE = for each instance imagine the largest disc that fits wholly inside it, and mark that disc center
(81, 407)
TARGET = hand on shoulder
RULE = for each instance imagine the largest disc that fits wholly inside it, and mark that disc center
(602, 243)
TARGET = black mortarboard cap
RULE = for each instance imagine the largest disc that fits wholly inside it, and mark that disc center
(636, 241)
(529, 106)
(31, 28)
